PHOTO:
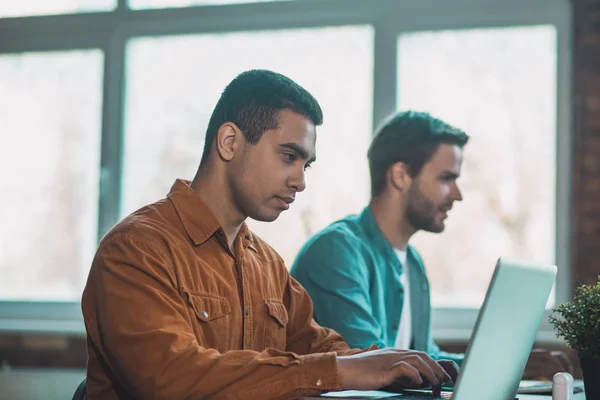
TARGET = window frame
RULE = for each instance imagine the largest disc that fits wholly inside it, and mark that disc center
(110, 32)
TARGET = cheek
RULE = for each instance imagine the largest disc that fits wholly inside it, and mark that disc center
(448, 190)
(442, 191)
(265, 180)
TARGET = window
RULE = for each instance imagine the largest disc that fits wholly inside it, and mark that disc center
(50, 111)
(22, 8)
(177, 82)
(499, 85)
(100, 113)
(186, 3)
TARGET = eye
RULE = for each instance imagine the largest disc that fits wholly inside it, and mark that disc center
(307, 166)
(289, 157)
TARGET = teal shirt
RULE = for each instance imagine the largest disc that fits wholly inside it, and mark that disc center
(353, 275)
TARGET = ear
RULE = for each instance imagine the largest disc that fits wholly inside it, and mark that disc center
(399, 177)
(228, 141)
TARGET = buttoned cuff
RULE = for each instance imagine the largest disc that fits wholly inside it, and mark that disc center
(320, 372)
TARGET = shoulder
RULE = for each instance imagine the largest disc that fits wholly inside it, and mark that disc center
(145, 229)
(341, 235)
(338, 247)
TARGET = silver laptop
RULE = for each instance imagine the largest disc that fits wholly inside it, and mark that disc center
(504, 333)
(505, 330)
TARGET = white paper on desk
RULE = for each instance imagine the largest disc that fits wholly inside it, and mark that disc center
(359, 394)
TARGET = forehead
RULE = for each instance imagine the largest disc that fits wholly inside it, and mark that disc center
(446, 157)
(294, 128)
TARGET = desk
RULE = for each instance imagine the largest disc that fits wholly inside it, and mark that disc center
(577, 396)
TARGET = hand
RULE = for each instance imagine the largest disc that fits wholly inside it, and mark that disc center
(402, 368)
(543, 364)
(449, 366)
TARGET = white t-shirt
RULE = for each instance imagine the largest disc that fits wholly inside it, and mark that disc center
(405, 325)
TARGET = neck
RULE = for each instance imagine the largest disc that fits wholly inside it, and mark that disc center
(209, 186)
(389, 215)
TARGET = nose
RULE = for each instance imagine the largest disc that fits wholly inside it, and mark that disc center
(457, 195)
(298, 180)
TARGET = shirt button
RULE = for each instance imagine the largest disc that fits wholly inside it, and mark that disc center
(246, 311)
(319, 382)
(204, 314)
(395, 326)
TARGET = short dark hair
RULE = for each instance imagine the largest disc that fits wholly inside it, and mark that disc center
(412, 138)
(253, 101)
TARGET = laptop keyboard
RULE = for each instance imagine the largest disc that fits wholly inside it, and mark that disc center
(421, 396)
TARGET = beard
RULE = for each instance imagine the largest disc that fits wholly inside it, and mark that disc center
(421, 212)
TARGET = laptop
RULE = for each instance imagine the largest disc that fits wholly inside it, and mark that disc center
(504, 334)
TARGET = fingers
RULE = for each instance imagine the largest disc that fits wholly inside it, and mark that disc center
(451, 369)
(439, 371)
(402, 371)
(427, 368)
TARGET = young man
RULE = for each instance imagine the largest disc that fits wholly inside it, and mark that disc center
(183, 301)
(365, 280)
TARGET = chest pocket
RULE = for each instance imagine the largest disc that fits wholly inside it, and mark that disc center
(212, 314)
(276, 332)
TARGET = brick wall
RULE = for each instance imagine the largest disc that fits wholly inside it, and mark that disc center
(585, 245)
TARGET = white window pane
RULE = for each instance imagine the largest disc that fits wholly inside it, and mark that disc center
(499, 85)
(174, 83)
(138, 4)
(23, 8)
(50, 109)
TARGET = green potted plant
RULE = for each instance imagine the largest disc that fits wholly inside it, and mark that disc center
(578, 322)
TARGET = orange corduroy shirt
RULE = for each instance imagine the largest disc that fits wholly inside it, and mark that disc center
(172, 313)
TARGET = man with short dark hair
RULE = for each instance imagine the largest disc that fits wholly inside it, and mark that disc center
(364, 278)
(184, 302)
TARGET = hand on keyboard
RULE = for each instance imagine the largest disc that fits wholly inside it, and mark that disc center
(449, 366)
(401, 368)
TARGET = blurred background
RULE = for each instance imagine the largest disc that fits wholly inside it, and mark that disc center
(104, 103)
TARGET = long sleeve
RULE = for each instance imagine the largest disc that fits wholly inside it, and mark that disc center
(141, 325)
(336, 276)
(305, 335)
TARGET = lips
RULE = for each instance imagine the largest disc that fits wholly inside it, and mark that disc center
(285, 201)
(288, 200)
(444, 211)
(446, 208)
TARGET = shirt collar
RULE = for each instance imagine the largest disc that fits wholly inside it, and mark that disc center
(380, 243)
(197, 219)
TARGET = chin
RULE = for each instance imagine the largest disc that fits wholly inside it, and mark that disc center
(265, 217)
(440, 228)
(435, 228)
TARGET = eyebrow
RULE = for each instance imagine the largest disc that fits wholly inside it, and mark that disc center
(301, 152)
(450, 174)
